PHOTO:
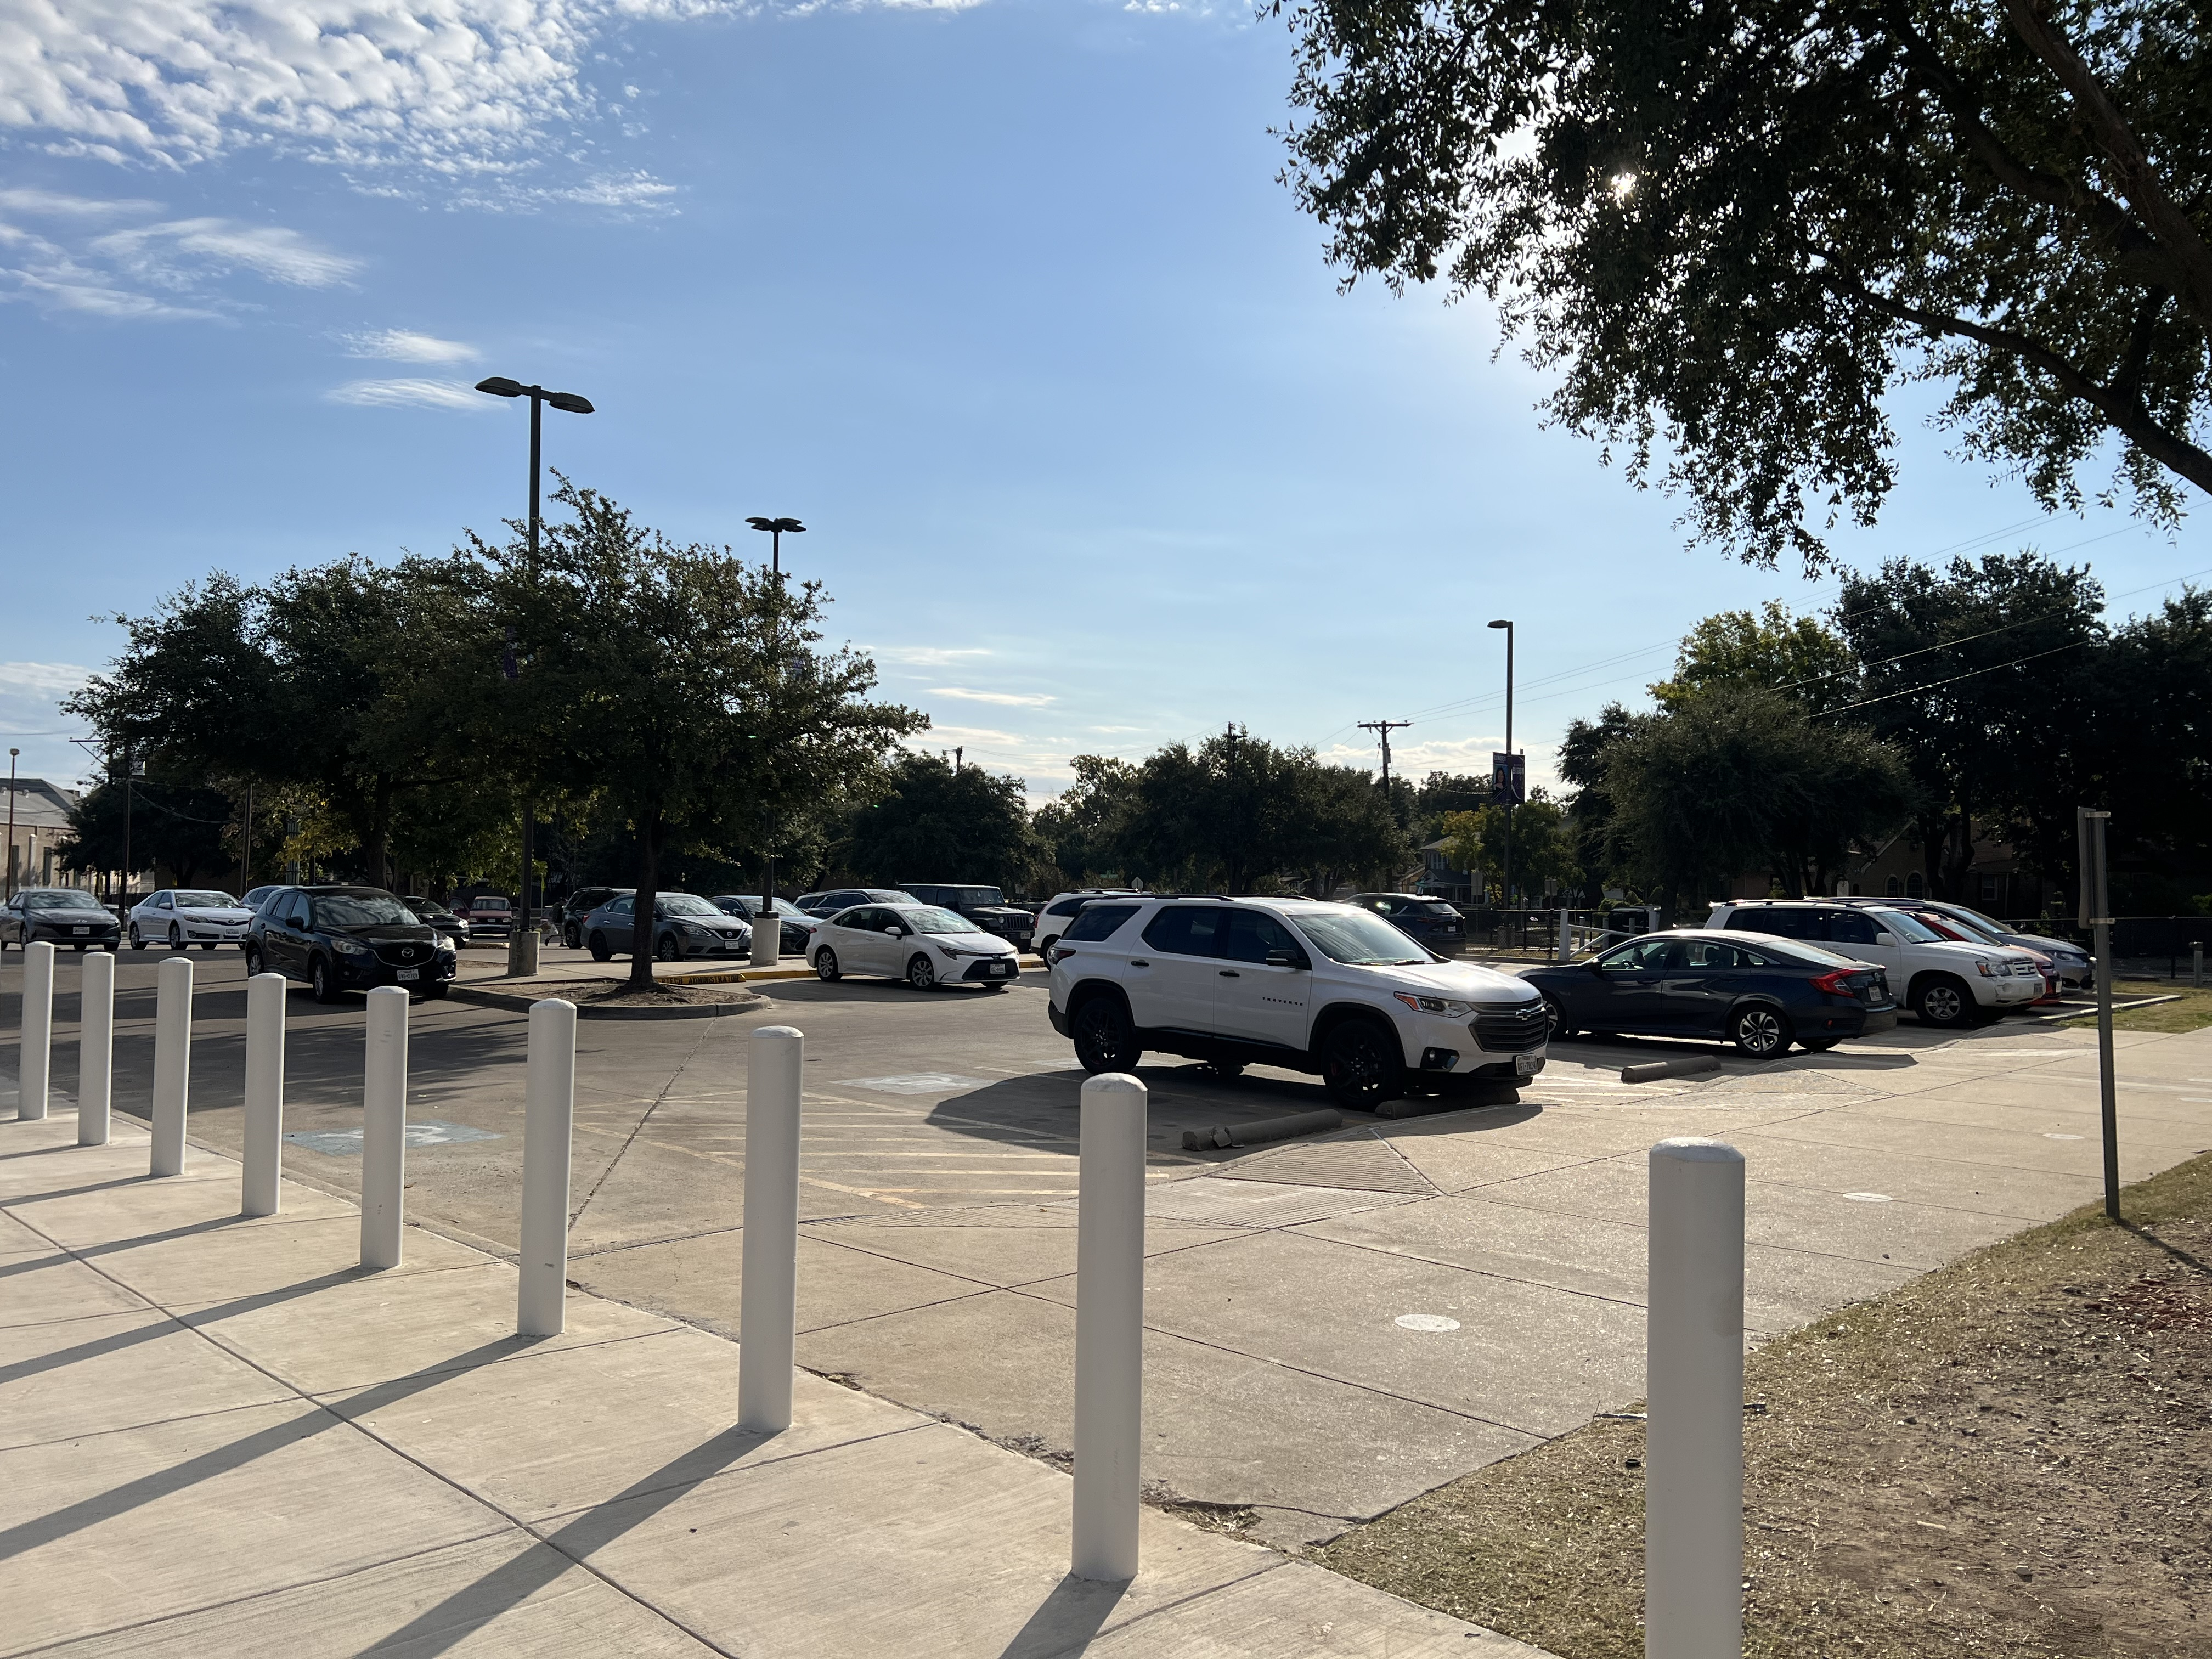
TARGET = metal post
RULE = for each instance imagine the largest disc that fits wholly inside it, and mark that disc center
(173, 1062)
(384, 1128)
(2197, 965)
(769, 1294)
(34, 1056)
(1109, 1326)
(95, 1048)
(264, 1151)
(1693, 1389)
(768, 931)
(521, 936)
(2096, 914)
(1566, 936)
(548, 1112)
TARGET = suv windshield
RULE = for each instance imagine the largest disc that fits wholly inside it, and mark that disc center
(1905, 927)
(928, 919)
(1360, 941)
(981, 896)
(198, 899)
(343, 910)
(685, 904)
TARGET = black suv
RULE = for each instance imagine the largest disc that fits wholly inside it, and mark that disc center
(347, 939)
(580, 904)
(986, 906)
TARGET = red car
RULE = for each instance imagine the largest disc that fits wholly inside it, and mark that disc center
(488, 912)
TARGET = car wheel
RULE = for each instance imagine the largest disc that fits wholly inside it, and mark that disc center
(253, 962)
(1761, 1033)
(1362, 1065)
(922, 972)
(666, 950)
(1105, 1036)
(825, 964)
(599, 951)
(1045, 949)
(1559, 1018)
(1939, 1000)
(320, 983)
(573, 938)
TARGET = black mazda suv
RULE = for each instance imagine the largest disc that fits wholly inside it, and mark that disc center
(347, 939)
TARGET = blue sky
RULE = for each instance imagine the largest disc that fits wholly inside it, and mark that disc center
(1002, 299)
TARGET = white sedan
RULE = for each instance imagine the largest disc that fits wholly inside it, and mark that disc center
(920, 943)
(182, 916)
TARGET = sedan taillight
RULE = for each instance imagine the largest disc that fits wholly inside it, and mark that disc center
(1835, 983)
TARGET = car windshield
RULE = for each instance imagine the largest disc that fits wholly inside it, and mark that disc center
(1947, 925)
(490, 903)
(423, 907)
(929, 919)
(60, 902)
(684, 904)
(343, 910)
(1359, 939)
(1906, 928)
(201, 899)
(1989, 925)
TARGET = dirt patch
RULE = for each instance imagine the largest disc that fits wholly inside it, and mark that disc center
(2010, 1457)
(619, 993)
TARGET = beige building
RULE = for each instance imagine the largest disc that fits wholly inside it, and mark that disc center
(39, 812)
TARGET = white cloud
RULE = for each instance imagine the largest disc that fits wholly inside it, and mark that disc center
(40, 679)
(1012, 699)
(924, 656)
(409, 394)
(404, 345)
(177, 252)
(53, 203)
(72, 266)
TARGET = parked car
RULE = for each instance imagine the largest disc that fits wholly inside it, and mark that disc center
(347, 939)
(1946, 982)
(580, 905)
(253, 896)
(1052, 918)
(822, 906)
(182, 916)
(2073, 962)
(1946, 926)
(683, 925)
(924, 944)
(986, 906)
(795, 927)
(454, 928)
(1325, 988)
(59, 915)
(1431, 921)
(487, 913)
(1760, 992)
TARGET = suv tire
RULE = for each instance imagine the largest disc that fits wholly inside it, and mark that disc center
(921, 972)
(1759, 1032)
(573, 937)
(600, 951)
(1105, 1036)
(253, 962)
(322, 984)
(1943, 1001)
(1361, 1066)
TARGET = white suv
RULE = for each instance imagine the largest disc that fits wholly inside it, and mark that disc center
(1314, 987)
(1054, 917)
(1945, 981)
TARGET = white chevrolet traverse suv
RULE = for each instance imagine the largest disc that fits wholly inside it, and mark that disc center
(1314, 987)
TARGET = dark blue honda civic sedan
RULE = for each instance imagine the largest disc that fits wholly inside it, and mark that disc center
(1760, 992)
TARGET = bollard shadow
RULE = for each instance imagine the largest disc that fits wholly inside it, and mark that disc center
(221, 1460)
(461, 1615)
(85, 1253)
(1067, 1620)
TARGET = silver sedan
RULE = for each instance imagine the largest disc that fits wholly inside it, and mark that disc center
(920, 943)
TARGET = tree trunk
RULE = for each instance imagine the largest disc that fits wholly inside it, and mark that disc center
(380, 833)
(647, 898)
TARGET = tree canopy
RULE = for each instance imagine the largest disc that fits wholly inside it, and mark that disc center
(935, 824)
(1731, 231)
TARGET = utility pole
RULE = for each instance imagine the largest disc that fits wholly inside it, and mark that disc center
(12, 753)
(1382, 729)
(2097, 914)
(957, 752)
(1506, 880)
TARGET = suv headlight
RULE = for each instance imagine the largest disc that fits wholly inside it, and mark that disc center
(352, 947)
(1984, 968)
(1449, 1007)
(445, 945)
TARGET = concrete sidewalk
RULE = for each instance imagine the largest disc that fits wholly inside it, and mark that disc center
(218, 1435)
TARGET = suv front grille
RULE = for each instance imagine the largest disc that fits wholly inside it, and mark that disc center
(1513, 1027)
(405, 953)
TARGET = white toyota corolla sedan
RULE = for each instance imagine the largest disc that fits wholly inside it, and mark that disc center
(920, 943)
(182, 916)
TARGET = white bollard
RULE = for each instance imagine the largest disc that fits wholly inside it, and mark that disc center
(1109, 1326)
(384, 1128)
(549, 1111)
(1693, 1452)
(95, 1048)
(767, 1305)
(173, 1063)
(35, 1054)
(264, 1151)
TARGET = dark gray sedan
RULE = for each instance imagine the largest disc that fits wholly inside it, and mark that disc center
(59, 915)
(684, 924)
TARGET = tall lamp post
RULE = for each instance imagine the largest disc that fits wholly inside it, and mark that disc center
(768, 931)
(1505, 881)
(12, 753)
(522, 936)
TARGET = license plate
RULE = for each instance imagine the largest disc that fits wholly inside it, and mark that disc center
(1526, 1065)
(1002, 966)
(410, 973)
(79, 930)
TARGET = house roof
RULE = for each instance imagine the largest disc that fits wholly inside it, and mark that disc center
(39, 804)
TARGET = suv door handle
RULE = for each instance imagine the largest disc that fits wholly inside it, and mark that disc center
(1138, 962)
(1231, 973)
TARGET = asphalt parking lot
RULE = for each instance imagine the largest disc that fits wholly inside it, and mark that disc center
(1335, 1324)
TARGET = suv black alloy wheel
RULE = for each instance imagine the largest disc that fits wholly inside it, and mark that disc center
(1361, 1067)
(1104, 1036)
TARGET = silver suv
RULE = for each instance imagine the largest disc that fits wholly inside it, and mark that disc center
(1315, 988)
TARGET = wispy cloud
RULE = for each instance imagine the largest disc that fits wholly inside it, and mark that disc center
(40, 679)
(408, 394)
(404, 345)
(1010, 699)
(924, 656)
(181, 251)
(53, 204)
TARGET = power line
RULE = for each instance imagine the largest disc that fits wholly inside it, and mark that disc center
(1931, 686)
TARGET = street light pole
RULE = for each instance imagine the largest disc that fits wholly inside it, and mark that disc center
(1505, 881)
(522, 936)
(12, 753)
(765, 926)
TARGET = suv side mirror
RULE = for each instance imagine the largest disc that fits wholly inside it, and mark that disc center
(1883, 936)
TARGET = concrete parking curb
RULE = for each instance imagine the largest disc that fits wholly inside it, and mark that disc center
(520, 1004)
